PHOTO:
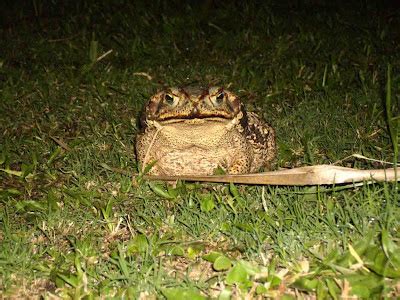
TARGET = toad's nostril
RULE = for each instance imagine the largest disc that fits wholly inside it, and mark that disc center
(195, 110)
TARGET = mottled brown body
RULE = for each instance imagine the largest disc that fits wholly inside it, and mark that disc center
(193, 131)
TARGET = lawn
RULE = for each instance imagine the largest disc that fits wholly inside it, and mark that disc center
(76, 219)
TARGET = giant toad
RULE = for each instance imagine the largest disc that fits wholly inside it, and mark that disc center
(193, 131)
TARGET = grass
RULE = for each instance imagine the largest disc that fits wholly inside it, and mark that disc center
(73, 79)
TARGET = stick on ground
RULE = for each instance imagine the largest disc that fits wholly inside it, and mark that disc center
(312, 175)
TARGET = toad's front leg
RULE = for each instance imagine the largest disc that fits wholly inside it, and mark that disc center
(240, 163)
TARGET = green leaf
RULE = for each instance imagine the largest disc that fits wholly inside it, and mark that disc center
(359, 249)
(177, 250)
(234, 191)
(377, 260)
(237, 275)
(274, 280)
(225, 294)
(93, 50)
(27, 169)
(31, 205)
(52, 202)
(387, 245)
(245, 227)
(222, 263)
(207, 203)
(160, 191)
(332, 288)
(182, 294)
(2, 157)
(192, 252)
(54, 155)
(138, 244)
(306, 284)
(393, 130)
(12, 172)
(365, 285)
(72, 280)
(322, 290)
(212, 256)
(219, 171)
(395, 260)
(148, 167)
(10, 191)
(249, 268)
(360, 291)
(122, 263)
(34, 158)
(261, 289)
(173, 192)
(382, 266)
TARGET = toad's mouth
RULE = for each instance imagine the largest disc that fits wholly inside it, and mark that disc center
(197, 119)
(194, 115)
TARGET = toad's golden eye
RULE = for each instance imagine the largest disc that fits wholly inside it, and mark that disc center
(171, 100)
(218, 99)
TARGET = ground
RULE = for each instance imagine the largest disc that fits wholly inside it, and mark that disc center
(73, 80)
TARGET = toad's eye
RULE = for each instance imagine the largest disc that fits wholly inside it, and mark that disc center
(169, 99)
(220, 98)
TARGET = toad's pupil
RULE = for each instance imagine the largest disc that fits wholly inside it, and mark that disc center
(169, 99)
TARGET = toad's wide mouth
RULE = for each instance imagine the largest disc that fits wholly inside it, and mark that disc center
(194, 119)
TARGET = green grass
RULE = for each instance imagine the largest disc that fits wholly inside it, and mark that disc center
(326, 77)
